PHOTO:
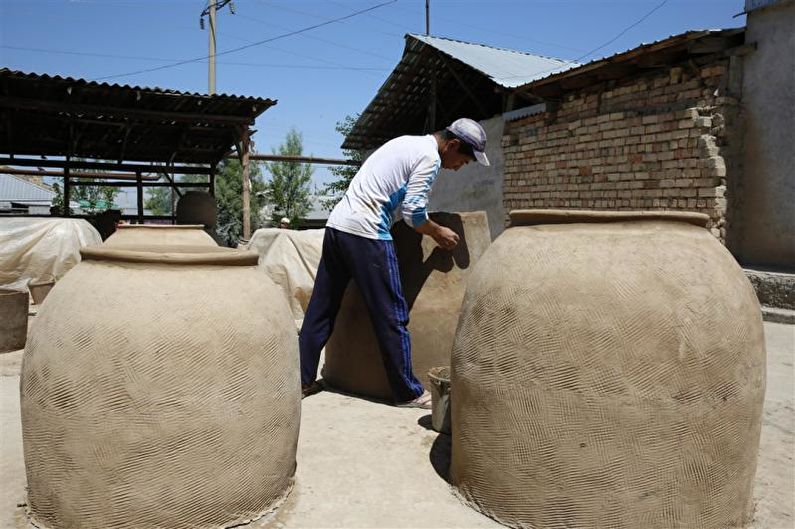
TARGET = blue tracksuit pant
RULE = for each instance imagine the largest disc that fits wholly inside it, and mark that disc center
(373, 266)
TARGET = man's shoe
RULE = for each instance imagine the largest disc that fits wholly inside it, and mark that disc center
(311, 389)
(423, 402)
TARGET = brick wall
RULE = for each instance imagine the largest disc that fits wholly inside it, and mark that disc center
(655, 142)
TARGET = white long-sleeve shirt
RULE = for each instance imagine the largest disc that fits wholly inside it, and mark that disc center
(398, 175)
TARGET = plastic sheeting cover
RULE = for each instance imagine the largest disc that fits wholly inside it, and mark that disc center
(41, 248)
(290, 258)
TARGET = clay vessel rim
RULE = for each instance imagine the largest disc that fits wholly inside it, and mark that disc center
(531, 217)
(40, 282)
(161, 226)
(441, 373)
(172, 255)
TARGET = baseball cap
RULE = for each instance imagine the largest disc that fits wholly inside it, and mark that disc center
(473, 134)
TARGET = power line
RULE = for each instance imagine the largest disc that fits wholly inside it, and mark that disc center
(341, 66)
(247, 46)
(332, 66)
(578, 59)
(641, 19)
(493, 31)
(319, 39)
(306, 13)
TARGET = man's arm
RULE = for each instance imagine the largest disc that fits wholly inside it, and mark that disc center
(415, 205)
(446, 238)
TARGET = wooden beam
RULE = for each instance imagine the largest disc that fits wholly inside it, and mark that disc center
(301, 159)
(120, 113)
(106, 166)
(105, 183)
(140, 198)
(465, 87)
(244, 148)
(67, 188)
(74, 174)
(127, 130)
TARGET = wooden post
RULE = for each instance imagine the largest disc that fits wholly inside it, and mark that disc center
(245, 142)
(140, 196)
(211, 188)
(432, 106)
(67, 188)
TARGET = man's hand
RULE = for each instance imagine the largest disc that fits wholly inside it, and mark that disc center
(446, 238)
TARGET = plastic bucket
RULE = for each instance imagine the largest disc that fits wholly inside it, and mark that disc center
(440, 392)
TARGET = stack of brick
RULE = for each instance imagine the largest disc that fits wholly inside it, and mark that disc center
(652, 142)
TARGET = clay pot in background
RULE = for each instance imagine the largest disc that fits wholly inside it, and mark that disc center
(197, 207)
(160, 388)
(159, 234)
(13, 319)
(608, 371)
(433, 281)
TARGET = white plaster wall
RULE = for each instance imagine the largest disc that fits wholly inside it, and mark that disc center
(765, 227)
(475, 187)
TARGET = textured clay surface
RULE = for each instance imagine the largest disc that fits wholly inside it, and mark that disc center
(148, 234)
(13, 319)
(197, 207)
(608, 374)
(434, 281)
(160, 393)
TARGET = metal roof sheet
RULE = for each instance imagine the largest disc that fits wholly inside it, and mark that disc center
(115, 86)
(507, 68)
(60, 116)
(13, 188)
(642, 48)
(469, 78)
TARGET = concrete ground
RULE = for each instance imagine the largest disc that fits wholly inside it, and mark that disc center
(363, 464)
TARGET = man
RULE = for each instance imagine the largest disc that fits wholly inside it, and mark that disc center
(284, 223)
(358, 245)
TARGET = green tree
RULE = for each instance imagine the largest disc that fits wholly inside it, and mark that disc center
(229, 194)
(92, 199)
(158, 199)
(288, 188)
(343, 173)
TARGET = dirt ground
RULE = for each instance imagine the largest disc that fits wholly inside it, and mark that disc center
(363, 464)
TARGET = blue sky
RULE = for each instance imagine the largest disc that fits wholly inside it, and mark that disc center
(324, 74)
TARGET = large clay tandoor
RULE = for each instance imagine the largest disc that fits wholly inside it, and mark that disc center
(608, 371)
(159, 234)
(160, 388)
(197, 207)
(434, 281)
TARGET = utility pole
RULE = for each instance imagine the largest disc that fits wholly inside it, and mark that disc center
(209, 12)
(211, 56)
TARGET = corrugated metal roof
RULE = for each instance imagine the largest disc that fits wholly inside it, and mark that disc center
(401, 105)
(507, 68)
(115, 86)
(60, 116)
(643, 48)
(13, 188)
(469, 80)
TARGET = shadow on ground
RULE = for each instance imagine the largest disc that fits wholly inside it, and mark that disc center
(440, 450)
